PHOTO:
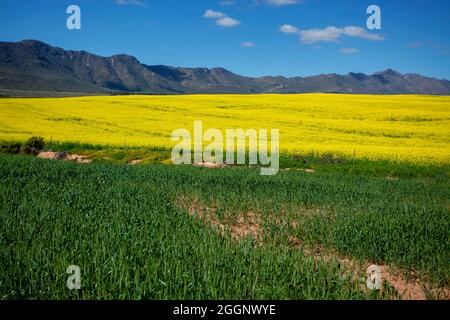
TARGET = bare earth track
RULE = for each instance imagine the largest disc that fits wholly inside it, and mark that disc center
(249, 224)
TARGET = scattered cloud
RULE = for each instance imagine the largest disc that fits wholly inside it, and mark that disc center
(362, 33)
(210, 14)
(130, 2)
(416, 44)
(248, 44)
(279, 3)
(349, 50)
(330, 34)
(287, 28)
(227, 22)
(221, 18)
(436, 45)
(442, 48)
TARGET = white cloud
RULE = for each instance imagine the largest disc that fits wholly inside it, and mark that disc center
(362, 33)
(213, 14)
(349, 50)
(227, 22)
(130, 2)
(287, 28)
(330, 34)
(221, 18)
(317, 35)
(279, 3)
(248, 44)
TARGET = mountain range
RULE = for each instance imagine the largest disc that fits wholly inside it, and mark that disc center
(32, 65)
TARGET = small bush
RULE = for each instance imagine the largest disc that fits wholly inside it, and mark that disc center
(10, 147)
(326, 158)
(36, 143)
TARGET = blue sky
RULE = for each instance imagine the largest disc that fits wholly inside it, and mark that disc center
(245, 36)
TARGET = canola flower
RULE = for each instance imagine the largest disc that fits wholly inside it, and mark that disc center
(412, 128)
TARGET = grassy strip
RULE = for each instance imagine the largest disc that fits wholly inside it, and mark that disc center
(323, 162)
(320, 162)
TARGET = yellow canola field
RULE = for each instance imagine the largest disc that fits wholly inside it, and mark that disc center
(409, 128)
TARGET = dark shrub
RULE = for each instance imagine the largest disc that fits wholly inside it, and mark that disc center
(339, 160)
(326, 158)
(36, 143)
(10, 147)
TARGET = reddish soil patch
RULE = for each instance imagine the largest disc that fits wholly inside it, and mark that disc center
(409, 288)
(210, 165)
(299, 169)
(47, 155)
(64, 156)
(246, 225)
(136, 161)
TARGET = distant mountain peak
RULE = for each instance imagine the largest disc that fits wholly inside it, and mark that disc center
(33, 42)
(389, 72)
(125, 57)
(357, 75)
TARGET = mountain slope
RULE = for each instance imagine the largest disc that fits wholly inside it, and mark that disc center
(36, 66)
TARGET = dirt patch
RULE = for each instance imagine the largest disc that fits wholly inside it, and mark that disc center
(64, 156)
(78, 158)
(249, 224)
(136, 161)
(246, 225)
(298, 169)
(409, 288)
(315, 211)
(391, 178)
(210, 165)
